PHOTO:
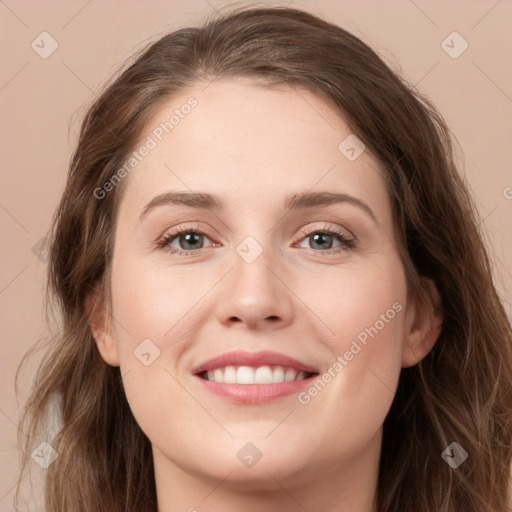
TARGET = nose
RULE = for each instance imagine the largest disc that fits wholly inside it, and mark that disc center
(255, 295)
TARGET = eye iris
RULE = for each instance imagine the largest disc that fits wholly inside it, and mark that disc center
(322, 236)
(190, 238)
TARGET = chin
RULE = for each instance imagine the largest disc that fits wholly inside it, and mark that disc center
(262, 474)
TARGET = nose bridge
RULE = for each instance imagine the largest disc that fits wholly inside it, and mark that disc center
(253, 292)
(253, 264)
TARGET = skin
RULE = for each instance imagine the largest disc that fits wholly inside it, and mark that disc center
(253, 146)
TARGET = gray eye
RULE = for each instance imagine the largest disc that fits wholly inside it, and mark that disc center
(189, 240)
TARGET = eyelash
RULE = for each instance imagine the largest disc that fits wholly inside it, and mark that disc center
(167, 239)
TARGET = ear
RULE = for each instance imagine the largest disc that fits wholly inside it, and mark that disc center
(101, 327)
(423, 325)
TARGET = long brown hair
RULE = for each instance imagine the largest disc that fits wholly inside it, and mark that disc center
(461, 391)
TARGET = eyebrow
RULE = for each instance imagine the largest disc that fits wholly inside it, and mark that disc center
(294, 202)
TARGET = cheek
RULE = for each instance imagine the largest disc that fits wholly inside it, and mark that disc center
(361, 304)
(156, 312)
(145, 308)
(151, 302)
(364, 310)
(143, 303)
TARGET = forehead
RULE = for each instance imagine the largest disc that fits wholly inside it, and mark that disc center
(235, 138)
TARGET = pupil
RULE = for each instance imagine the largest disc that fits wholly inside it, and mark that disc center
(321, 236)
(190, 238)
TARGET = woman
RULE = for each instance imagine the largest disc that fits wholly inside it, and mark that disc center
(213, 355)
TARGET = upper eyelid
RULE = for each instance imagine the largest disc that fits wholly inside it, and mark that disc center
(307, 231)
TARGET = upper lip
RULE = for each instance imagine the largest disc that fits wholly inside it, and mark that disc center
(255, 359)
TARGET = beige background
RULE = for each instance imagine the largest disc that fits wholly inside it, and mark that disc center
(40, 100)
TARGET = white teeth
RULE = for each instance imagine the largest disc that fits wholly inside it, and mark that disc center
(244, 375)
(300, 376)
(229, 375)
(290, 375)
(263, 375)
(249, 375)
(278, 374)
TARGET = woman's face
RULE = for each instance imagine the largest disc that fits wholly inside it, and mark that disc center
(290, 269)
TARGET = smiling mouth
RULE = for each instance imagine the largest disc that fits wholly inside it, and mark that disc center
(254, 375)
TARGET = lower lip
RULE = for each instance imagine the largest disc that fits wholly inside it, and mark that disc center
(255, 393)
